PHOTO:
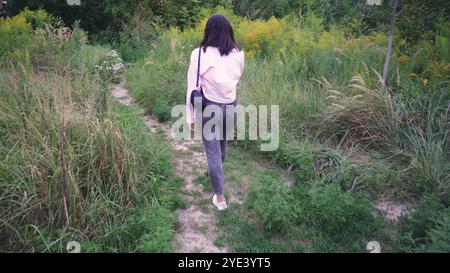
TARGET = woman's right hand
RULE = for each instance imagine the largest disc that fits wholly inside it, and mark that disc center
(192, 129)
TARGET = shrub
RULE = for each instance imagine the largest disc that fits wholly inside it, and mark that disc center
(333, 219)
(39, 18)
(14, 33)
(427, 229)
(255, 35)
(110, 66)
(271, 202)
(136, 37)
(342, 218)
(40, 47)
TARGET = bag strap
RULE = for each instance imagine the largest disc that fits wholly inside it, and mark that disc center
(198, 65)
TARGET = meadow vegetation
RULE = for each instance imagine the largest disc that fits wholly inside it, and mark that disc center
(74, 165)
(348, 143)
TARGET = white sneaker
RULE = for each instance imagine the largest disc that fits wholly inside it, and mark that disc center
(219, 205)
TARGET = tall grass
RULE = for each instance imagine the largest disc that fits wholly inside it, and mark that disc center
(74, 165)
(410, 131)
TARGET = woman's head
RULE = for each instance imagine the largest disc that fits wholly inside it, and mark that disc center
(219, 33)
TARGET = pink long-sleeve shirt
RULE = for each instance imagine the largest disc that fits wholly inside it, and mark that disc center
(219, 76)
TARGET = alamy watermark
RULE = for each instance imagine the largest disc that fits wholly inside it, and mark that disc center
(73, 247)
(73, 2)
(374, 2)
(373, 247)
(231, 122)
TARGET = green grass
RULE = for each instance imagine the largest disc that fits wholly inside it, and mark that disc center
(244, 234)
(319, 218)
(204, 181)
(204, 205)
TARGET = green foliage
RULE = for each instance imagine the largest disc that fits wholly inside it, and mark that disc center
(417, 19)
(136, 36)
(275, 214)
(38, 18)
(162, 108)
(244, 234)
(14, 32)
(329, 218)
(40, 47)
(427, 229)
(333, 12)
(105, 17)
(156, 81)
(341, 217)
(420, 20)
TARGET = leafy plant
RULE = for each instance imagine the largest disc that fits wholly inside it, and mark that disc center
(271, 202)
(427, 229)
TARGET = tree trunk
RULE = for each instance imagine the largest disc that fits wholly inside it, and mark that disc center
(389, 47)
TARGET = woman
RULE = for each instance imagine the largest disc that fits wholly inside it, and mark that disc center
(221, 66)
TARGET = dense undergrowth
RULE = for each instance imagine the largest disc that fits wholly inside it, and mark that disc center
(74, 165)
(348, 143)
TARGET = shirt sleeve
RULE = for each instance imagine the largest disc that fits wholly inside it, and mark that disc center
(242, 62)
(191, 85)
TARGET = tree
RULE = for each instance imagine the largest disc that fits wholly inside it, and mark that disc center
(338, 12)
(418, 18)
(2, 8)
(416, 21)
(109, 15)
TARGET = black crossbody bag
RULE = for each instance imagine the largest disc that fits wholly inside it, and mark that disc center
(197, 93)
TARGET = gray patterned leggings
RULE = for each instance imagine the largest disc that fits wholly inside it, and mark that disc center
(215, 149)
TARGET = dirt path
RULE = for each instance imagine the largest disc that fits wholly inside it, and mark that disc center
(197, 222)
